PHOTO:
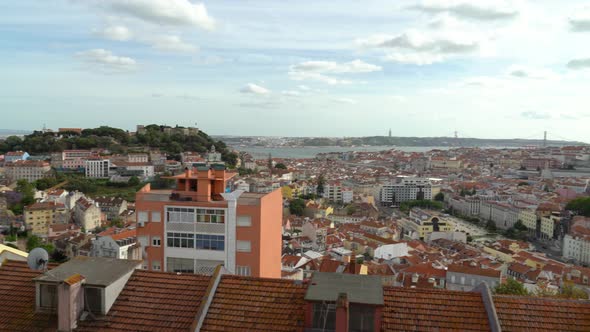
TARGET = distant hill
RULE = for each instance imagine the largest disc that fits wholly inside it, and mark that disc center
(431, 141)
(118, 140)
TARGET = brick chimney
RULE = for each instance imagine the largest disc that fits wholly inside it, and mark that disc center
(342, 306)
(70, 305)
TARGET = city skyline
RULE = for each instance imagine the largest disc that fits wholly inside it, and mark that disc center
(495, 69)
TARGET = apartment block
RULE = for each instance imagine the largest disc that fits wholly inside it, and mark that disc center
(406, 189)
(202, 224)
(29, 170)
(98, 168)
(39, 216)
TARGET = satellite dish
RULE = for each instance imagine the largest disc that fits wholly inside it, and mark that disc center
(38, 259)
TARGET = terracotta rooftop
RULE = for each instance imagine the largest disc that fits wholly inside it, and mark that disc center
(154, 301)
(474, 270)
(256, 304)
(431, 310)
(530, 313)
(18, 309)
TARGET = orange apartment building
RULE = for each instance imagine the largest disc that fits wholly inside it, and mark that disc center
(201, 224)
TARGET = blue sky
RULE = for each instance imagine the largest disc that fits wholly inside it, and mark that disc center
(497, 69)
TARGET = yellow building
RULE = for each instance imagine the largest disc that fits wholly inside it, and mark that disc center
(445, 163)
(548, 226)
(529, 219)
(422, 223)
(39, 216)
(501, 254)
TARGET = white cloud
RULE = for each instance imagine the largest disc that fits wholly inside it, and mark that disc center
(291, 93)
(580, 21)
(421, 42)
(414, 58)
(529, 72)
(115, 32)
(106, 60)
(301, 76)
(484, 10)
(317, 70)
(532, 115)
(344, 101)
(331, 67)
(583, 63)
(171, 43)
(254, 89)
(303, 87)
(164, 12)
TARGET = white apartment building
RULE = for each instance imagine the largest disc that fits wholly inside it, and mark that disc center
(502, 214)
(122, 245)
(406, 189)
(335, 192)
(576, 244)
(98, 168)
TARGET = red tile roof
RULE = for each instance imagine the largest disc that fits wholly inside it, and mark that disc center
(529, 313)
(256, 304)
(154, 301)
(18, 308)
(431, 310)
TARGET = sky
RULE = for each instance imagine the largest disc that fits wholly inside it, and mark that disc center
(486, 69)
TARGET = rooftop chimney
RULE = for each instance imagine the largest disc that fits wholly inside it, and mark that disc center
(342, 306)
(70, 302)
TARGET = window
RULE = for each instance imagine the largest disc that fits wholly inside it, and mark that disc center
(180, 240)
(47, 296)
(243, 271)
(244, 221)
(156, 266)
(156, 216)
(142, 216)
(93, 299)
(361, 318)
(210, 242)
(144, 241)
(180, 215)
(324, 316)
(243, 246)
(211, 216)
(183, 265)
(156, 241)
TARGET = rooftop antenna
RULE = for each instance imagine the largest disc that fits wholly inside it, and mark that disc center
(38, 259)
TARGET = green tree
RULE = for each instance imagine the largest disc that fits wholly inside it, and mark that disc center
(33, 242)
(280, 166)
(580, 205)
(321, 182)
(439, 197)
(134, 181)
(297, 206)
(570, 291)
(491, 225)
(350, 210)
(511, 287)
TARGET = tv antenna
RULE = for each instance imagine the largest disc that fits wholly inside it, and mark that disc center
(38, 259)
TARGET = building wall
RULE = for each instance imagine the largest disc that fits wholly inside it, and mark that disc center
(270, 235)
(577, 248)
(467, 282)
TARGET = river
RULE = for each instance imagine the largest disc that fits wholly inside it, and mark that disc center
(261, 152)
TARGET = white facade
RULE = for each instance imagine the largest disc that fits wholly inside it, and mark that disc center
(390, 251)
(337, 193)
(407, 189)
(107, 247)
(98, 168)
(577, 248)
(27, 170)
(147, 170)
